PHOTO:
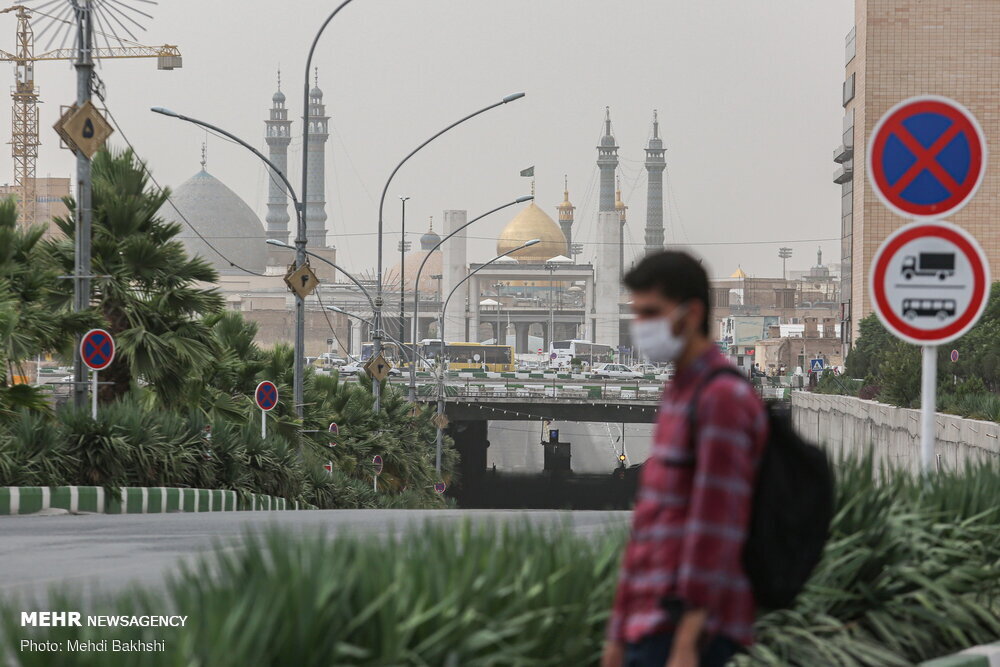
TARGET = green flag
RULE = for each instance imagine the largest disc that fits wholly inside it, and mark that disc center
(530, 171)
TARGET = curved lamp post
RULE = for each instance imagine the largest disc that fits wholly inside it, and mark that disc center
(377, 316)
(299, 371)
(281, 244)
(444, 307)
(416, 287)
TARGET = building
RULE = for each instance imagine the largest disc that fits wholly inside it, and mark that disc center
(278, 134)
(49, 199)
(898, 49)
(656, 163)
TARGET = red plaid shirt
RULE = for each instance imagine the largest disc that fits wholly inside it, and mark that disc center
(691, 511)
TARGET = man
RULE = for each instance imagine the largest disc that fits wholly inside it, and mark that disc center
(683, 599)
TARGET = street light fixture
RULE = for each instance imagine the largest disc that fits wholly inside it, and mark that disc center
(377, 333)
(299, 370)
(784, 254)
(416, 284)
(444, 307)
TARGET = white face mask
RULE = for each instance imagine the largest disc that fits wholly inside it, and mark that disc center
(656, 338)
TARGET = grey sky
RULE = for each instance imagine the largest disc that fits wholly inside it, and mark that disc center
(748, 94)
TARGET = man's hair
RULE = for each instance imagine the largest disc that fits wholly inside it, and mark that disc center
(677, 275)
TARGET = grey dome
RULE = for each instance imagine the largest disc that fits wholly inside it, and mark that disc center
(223, 219)
(428, 240)
(278, 97)
(316, 92)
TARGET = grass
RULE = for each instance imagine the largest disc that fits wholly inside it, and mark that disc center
(911, 572)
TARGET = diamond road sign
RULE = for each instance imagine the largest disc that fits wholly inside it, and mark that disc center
(378, 367)
(440, 421)
(302, 281)
(84, 129)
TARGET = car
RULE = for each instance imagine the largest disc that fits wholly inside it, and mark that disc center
(330, 359)
(614, 371)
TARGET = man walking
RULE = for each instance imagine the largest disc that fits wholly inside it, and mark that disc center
(683, 599)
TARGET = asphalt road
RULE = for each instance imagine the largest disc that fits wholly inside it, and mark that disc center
(107, 553)
(515, 445)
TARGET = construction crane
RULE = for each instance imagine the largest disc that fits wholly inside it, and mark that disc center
(24, 117)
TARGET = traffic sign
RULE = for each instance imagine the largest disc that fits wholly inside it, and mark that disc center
(84, 129)
(97, 349)
(302, 280)
(328, 467)
(439, 487)
(266, 396)
(954, 356)
(378, 367)
(377, 462)
(929, 282)
(926, 157)
(816, 365)
(440, 421)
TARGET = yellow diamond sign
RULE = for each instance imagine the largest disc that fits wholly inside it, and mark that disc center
(302, 281)
(378, 367)
(84, 129)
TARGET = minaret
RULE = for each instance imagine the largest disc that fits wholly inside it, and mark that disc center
(566, 218)
(655, 164)
(318, 134)
(620, 209)
(607, 162)
(278, 135)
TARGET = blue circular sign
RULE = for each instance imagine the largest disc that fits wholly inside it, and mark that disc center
(97, 349)
(266, 395)
(926, 157)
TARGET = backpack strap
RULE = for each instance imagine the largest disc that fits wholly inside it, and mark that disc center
(693, 405)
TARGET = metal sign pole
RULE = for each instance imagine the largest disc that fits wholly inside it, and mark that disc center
(263, 423)
(81, 294)
(93, 395)
(928, 407)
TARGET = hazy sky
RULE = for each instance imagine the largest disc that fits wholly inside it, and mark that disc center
(748, 93)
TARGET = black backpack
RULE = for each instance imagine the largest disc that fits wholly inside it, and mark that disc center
(793, 504)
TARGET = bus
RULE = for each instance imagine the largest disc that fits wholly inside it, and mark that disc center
(591, 353)
(390, 351)
(470, 356)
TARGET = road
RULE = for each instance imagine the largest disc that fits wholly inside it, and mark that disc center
(41, 553)
(515, 445)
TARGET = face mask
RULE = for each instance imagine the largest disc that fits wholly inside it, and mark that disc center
(656, 339)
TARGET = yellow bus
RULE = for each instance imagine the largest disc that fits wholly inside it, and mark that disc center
(471, 356)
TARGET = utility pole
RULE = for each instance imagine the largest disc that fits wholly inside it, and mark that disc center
(402, 274)
(81, 253)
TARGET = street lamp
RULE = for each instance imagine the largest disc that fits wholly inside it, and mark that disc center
(784, 254)
(416, 285)
(300, 327)
(377, 334)
(444, 307)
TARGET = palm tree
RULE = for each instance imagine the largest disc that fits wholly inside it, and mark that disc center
(149, 296)
(31, 321)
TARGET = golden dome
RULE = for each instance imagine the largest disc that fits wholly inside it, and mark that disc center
(532, 223)
(738, 273)
(428, 284)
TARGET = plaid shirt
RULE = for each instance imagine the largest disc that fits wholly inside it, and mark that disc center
(691, 511)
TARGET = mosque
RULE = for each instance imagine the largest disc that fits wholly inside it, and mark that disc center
(526, 299)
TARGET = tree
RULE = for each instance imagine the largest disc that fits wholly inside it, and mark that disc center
(147, 294)
(32, 321)
(873, 340)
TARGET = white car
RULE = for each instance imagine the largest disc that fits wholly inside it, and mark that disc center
(614, 371)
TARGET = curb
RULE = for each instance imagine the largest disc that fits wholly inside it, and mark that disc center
(987, 655)
(134, 500)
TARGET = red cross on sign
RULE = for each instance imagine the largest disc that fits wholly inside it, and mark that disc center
(97, 349)
(926, 157)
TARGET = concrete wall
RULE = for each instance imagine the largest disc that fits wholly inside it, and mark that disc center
(848, 425)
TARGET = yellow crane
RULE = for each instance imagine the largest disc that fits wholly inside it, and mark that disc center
(24, 117)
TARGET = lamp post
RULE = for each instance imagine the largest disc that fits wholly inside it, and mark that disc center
(402, 271)
(784, 254)
(299, 370)
(444, 307)
(377, 333)
(416, 284)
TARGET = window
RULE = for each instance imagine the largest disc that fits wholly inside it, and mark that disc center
(850, 45)
(848, 89)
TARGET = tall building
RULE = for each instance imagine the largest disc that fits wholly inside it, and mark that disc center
(607, 162)
(898, 49)
(316, 195)
(278, 135)
(566, 211)
(655, 164)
